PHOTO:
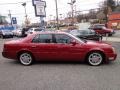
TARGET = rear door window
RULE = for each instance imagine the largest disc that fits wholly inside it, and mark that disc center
(37, 30)
(43, 38)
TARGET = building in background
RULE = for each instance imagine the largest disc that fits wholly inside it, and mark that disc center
(4, 25)
(114, 20)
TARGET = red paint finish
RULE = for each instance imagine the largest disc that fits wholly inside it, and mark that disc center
(101, 29)
(56, 51)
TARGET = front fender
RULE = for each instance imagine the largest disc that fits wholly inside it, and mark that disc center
(96, 49)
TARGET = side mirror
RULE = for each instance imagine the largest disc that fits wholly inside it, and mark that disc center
(90, 28)
(31, 32)
(95, 28)
(96, 33)
(73, 42)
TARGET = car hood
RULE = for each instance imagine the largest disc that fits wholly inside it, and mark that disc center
(97, 43)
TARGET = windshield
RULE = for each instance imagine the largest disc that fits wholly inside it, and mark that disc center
(75, 32)
(103, 27)
(37, 30)
(30, 30)
(78, 39)
(91, 32)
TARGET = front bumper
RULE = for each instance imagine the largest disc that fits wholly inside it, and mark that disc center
(112, 57)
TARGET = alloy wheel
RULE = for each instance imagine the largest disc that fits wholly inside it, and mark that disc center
(26, 59)
(95, 59)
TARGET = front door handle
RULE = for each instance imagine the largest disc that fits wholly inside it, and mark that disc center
(33, 46)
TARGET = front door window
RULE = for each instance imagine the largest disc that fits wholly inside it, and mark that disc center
(63, 39)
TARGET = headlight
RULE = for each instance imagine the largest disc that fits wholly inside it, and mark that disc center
(113, 49)
(3, 33)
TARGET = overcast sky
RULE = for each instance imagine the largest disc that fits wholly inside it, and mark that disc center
(17, 10)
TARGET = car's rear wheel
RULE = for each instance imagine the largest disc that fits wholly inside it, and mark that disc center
(1, 36)
(99, 39)
(12, 36)
(109, 34)
(26, 58)
(95, 58)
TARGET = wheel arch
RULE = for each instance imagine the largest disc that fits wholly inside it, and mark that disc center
(100, 51)
(22, 51)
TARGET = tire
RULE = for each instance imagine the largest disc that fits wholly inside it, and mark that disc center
(25, 58)
(109, 34)
(12, 36)
(95, 59)
(106, 35)
(1, 36)
(100, 38)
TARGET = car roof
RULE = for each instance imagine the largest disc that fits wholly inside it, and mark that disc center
(99, 24)
(47, 32)
(82, 30)
(35, 28)
(36, 33)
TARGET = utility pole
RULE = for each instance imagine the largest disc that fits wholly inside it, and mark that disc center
(51, 21)
(117, 2)
(107, 11)
(72, 5)
(72, 12)
(26, 19)
(10, 17)
(60, 19)
(75, 11)
(57, 14)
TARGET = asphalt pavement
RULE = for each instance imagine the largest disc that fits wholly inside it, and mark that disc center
(59, 76)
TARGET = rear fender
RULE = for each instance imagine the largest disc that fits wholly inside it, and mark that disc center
(23, 50)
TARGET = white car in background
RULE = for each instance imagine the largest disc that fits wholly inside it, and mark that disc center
(17, 32)
(33, 30)
(6, 33)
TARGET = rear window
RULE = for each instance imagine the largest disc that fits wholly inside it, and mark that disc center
(37, 30)
(99, 26)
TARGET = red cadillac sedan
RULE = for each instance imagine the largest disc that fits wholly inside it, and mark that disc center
(58, 46)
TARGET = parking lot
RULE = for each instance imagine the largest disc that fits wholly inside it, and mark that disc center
(60, 76)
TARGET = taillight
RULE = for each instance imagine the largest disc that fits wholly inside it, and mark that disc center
(4, 48)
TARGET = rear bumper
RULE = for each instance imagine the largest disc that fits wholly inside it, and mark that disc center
(9, 55)
(5, 54)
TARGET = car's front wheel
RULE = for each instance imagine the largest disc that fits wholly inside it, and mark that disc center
(26, 58)
(99, 39)
(95, 58)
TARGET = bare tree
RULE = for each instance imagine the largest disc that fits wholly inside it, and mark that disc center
(3, 20)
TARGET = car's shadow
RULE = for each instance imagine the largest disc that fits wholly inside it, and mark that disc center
(59, 63)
